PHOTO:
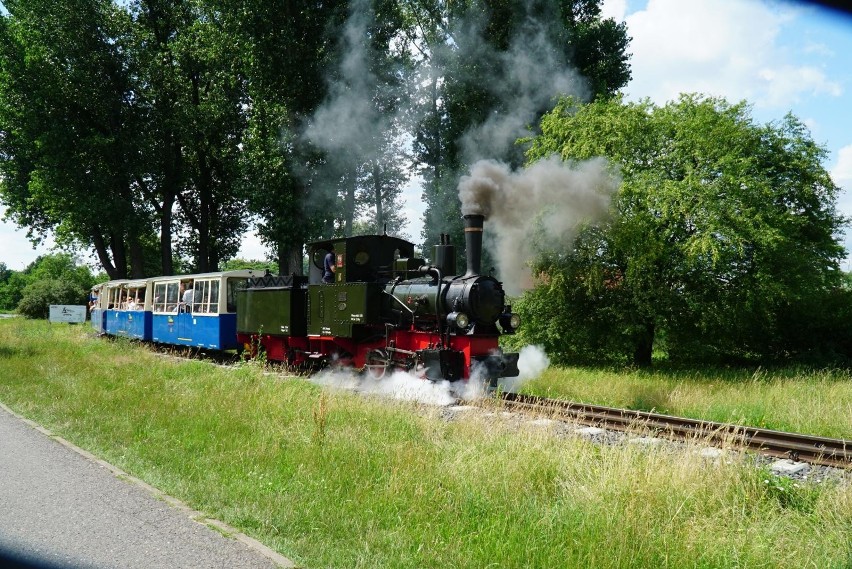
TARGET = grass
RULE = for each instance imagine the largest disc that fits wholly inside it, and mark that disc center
(817, 402)
(333, 479)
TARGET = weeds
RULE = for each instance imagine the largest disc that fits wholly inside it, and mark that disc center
(397, 486)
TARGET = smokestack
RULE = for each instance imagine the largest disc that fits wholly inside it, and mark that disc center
(473, 243)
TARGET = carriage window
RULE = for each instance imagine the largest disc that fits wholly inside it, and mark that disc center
(214, 297)
(114, 298)
(135, 299)
(165, 297)
(205, 297)
(159, 304)
(235, 284)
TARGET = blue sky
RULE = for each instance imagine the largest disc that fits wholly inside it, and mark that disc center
(779, 56)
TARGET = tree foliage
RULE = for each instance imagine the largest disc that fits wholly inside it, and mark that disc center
(153, 131)
(50, 279)
(65, 139)
(723, 242)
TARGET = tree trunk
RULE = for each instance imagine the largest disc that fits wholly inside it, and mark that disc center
(119, 255)
(137, 257)
(103, 255)
(437, 134)
(290, 259)
(172, 173)
(205, 189)
(166, 235)
(349, 205)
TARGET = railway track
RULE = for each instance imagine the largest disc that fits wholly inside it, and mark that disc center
(805, 448)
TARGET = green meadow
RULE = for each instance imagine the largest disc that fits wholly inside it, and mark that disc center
(336, 479)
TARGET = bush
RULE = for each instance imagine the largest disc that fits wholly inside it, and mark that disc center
(39, 295)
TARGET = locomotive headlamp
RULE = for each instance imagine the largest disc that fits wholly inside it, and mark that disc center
(459, 320)
(510, 322)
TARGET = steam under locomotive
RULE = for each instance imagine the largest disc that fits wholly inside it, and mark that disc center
(385, 310)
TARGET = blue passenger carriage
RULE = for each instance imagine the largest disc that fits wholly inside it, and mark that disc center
(127, 314)
(206, 318)
(98, 308)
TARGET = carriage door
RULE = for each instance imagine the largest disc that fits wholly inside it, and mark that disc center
(185, 328)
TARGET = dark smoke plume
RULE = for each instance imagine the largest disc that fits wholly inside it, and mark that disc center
(551, 195)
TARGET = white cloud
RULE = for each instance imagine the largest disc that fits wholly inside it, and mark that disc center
(843, 169)
(841, 173)
(727, 48)
(614, 9)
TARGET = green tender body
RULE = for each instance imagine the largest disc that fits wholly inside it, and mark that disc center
(344, 310)
(277, 311)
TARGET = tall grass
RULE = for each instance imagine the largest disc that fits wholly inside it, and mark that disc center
(817, 402)
(333, 479)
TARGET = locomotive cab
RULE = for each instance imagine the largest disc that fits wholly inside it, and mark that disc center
(365, 258)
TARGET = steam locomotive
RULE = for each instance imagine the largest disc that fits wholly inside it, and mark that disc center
(385, 310)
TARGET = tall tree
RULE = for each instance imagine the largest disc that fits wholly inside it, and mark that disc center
(194, 89)
(286, 47)
(357, 126)
(723, 238)
(489, 70)
(67, 125)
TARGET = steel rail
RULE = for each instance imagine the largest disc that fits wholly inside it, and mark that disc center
(811, 449)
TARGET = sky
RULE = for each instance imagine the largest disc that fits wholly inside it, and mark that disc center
(778, 56)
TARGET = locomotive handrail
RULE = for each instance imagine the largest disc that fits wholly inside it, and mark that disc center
(405, 306)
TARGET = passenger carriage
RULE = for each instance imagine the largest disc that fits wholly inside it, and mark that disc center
(128, 315)
(98, 311)
(210, 321)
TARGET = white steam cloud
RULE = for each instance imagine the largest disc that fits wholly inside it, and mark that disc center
(349, 124)
(551, 197)
(407, 387)
(395, 385)
(532, 362)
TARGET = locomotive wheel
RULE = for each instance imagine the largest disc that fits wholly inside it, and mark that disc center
(377, 363)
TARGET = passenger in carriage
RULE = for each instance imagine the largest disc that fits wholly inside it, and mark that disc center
(186, 295)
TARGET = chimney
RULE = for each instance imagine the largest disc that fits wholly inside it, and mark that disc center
(473, 243)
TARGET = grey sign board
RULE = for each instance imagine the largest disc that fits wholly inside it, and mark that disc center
(67, 313)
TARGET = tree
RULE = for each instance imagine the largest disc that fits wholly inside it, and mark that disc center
(287, 45)
(11, 287)
(723, 236)
(67, 128)
(192, 88)
(52, 279)
(489, 70)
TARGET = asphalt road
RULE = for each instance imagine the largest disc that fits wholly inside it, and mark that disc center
(61, 509)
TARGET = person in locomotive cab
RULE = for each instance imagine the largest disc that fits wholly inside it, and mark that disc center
(328, 266)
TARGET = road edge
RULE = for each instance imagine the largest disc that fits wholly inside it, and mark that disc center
(191, 513)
